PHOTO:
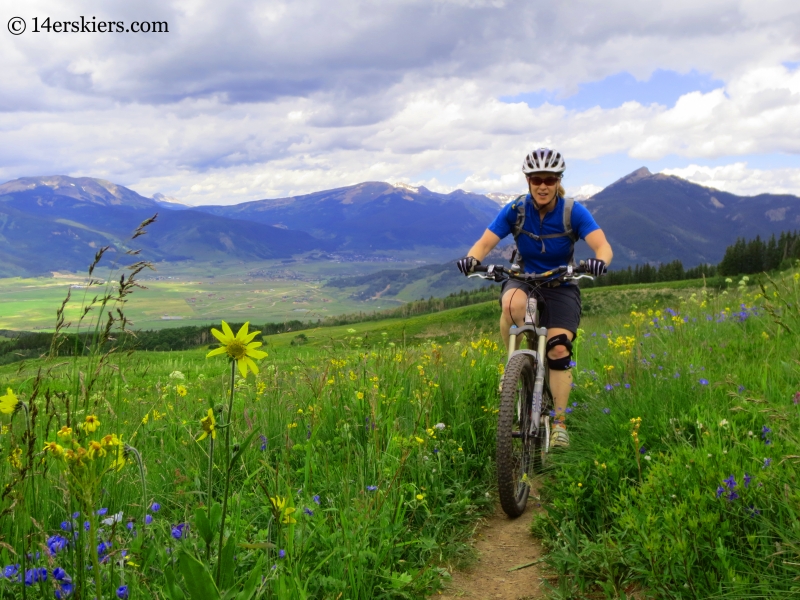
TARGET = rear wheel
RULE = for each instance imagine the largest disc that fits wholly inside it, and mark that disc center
(514, 442)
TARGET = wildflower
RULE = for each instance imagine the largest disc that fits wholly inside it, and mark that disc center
(66, 525)
(91, 423)
(281, 553)
(730, 482)
(263, 439)
(568, 410)
(9, 403)
(177, 531)
(122, 592)
(96, 450)
(720, 491)
(316, 499)
(372, 488)
(56, 543)
(723, 423)
(767, 462)
(747, 479)
(441, 426)
(117, 518)
(130, 525)
(54, 449)
(704, 382)
(111, 440)
(607, 411)
(419, 440)
(60, 574)
(155, 507)
(627, 386)
(181, 391)
(209, 424)
(552, 413)
(360, 395)
(148, 519)
(239, 347)
(732, 496)
(420, 496)
(10, 571)
(642, 450)
(308, 511)
(64, 432)
(796, 398)
(65, 590)
(101, 512)
(648, 457)
(35, 575)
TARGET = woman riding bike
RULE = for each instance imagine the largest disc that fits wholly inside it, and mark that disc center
(545, 238)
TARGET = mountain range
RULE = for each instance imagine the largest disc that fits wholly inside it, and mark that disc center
(57, 222)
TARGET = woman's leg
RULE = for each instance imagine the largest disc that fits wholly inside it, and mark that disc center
(513, 303)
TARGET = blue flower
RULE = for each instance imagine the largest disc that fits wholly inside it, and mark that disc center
(281, 553)
(627, 386)
(60, 574)
(568, 410)
(732, 496)
(765, 430)
(316, 499)
(10, 571)
(575, 404)
(65, 591)
(720, 491)
(148, 519)
(308, 511)
(75, 515)
(122, 592)
(741, 389)
(704, 382)
(103, 548)
(55, 543)
(177, 531)
(609, 387)
(767, 462)
(730, 482)
(677, 375)
(436, 451)
(642, 450)
(747, 479)
(101, 512)
(155, 507)
(572, 363)
(552, 413)
(35, 576)
(66, 525)
(607, 411)
(264, 441)
(87, 525)
(372, 488)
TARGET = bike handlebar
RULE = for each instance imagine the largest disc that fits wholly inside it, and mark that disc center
(500, 273)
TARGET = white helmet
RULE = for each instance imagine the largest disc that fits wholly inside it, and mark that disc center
(543, 160)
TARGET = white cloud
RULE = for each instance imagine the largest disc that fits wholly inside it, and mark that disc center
(738, 178)
(246, 100)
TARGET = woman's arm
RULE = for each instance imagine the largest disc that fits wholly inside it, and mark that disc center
(599, 244)
(485, 245)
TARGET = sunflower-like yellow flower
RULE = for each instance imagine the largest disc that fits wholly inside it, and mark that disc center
(209, 424)
(9, 403)
(110, 440)
(181, 390)
(96, 450)
(91, 423)
(64, 432)
(53, 448)
(239, 347)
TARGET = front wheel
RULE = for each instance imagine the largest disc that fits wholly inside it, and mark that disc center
(514, 439)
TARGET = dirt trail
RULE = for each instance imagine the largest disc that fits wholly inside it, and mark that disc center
(501, 543)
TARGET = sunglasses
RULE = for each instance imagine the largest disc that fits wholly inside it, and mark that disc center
(549, 181)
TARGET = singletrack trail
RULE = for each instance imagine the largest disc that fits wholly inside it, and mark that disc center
(501, 544)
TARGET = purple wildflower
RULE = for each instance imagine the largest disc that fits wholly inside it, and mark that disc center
(720, 491)
(101, 512)
(281, 553)
(177, 531)
(732, 496)
(264, 441)
(704, 382)
(730, 482)
(308, 511)
(627, 386)
(148, 519)
(747, 479)
(607, 411)
(609, 387)
(372, 488)
(316, 499)
(155, 507)
(122, 592)
(767, 462)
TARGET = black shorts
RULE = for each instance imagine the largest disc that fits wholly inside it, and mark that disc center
(559, 306)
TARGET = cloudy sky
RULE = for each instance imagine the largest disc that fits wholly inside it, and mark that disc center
(243, 100)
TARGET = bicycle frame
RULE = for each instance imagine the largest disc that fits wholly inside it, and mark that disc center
(539, 334)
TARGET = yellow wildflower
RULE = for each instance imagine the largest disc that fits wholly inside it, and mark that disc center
(55, 449)
(419, 440)
(145, 419)
(209, 424)
(95, 450)
(111, 440)
(181, 390)
(420, 496)
(9, 403)
(239, 347)
(14, 458)
(360, 395)
(64, 432)
(91, 423)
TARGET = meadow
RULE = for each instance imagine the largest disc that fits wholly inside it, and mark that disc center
(355, 462)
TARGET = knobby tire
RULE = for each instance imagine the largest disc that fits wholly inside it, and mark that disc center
(514, 453)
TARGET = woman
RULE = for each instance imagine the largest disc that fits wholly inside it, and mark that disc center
(545, 243)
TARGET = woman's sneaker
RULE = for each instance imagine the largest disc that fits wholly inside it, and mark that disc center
(559, 438)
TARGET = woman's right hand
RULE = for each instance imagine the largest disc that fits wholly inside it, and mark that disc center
(467, 264)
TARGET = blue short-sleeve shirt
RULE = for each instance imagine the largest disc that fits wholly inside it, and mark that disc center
(558, 251)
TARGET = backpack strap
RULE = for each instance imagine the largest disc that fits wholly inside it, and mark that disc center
(517, 230)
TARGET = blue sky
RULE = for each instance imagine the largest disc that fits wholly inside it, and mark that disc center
(251, 99)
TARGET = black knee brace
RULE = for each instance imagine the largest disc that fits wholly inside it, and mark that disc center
(559, 364)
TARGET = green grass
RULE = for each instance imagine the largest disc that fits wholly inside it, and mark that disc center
(384, 501)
